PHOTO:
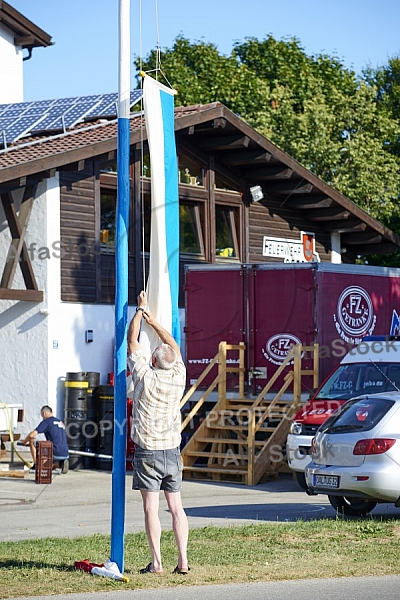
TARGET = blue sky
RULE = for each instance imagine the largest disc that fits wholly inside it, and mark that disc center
(84, 59)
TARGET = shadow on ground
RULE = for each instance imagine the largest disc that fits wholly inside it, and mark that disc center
(263, 512)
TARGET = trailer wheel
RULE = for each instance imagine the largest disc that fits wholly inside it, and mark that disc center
(352, 507)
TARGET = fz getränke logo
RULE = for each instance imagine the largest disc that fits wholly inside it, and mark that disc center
(278, 347)
(354, 316)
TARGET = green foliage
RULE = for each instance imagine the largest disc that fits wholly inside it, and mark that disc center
(201, 75)
(343, 128)
(386, 81)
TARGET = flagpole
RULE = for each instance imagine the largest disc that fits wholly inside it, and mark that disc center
(121, 294)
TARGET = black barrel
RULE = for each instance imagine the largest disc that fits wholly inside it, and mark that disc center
(105, 416)
(76, 414)
(91, 427)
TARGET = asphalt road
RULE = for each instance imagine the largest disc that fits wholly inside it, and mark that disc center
(355, 588)
(79, 503)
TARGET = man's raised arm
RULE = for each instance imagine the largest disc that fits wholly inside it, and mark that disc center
(134, 326)
(162, 333)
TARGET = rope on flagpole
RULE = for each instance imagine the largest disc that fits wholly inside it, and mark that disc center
(141, 191)
(158, 68)
(158, 60)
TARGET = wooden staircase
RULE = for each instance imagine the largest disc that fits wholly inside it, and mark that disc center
(242, 439)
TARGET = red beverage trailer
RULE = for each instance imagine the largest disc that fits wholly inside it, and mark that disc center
(272, 306)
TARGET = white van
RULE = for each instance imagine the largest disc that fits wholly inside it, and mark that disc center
(371, 367)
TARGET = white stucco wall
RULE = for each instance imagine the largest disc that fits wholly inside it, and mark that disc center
(11, 69)
(23, 329)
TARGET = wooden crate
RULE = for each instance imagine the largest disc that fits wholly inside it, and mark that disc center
(44, 462)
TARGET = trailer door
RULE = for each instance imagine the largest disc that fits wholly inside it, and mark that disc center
(214, 313)
(281, 314)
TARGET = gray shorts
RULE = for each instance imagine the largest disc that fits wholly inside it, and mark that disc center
(155, 470)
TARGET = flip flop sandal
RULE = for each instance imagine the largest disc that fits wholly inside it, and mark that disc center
(178, 571)
(146, 569)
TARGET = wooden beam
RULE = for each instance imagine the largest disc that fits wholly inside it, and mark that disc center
(188, 131)
(289, 187)
(18, 253)
(266, 174)
(345, 225)
(15, 184)
(311, 201)
(384, 248)
(250, 157)
(327, 214)
(354, 239)
(24, 40)
(24, 295)
(218, 123)
(224, 142)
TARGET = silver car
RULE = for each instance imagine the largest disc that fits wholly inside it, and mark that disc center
(356, 455)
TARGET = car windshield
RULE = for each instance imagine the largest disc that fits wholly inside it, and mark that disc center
(359, 414)
(361, 378)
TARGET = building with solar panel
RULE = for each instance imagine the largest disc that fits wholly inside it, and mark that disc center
(240, 197)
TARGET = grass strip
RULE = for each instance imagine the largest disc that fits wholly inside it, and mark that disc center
(262, 552)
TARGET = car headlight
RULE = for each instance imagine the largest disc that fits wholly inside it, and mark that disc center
(296, 428)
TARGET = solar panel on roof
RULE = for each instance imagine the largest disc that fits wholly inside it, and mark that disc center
(39, 104)
(16, 127)
(24, 118)
(14, 109)
(37, 107)
(105, 108)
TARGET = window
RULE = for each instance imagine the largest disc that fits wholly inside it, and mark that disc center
(108, 208)
(190, 229)
(108, 201)
(109, 168)
(145, 166)
(146, 221)
(190, 172)
(222, 184)
(226, 237)
(358, 414)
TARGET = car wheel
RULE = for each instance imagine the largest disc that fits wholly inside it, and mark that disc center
(351, 507)
(301, 479)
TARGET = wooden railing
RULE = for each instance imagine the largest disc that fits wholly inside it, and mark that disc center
(220, 380)
(217, 437)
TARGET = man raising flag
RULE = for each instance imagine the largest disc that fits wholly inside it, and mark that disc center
(156, 431)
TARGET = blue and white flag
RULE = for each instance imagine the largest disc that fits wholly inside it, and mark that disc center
(163, 279)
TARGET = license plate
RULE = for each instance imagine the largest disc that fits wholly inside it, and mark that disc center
(328, 481)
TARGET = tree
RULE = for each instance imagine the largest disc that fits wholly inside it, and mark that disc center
(344, 129)
(386, 81)
(320, 113)
(201, 75)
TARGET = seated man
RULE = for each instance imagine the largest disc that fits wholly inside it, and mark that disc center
(54, 431)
